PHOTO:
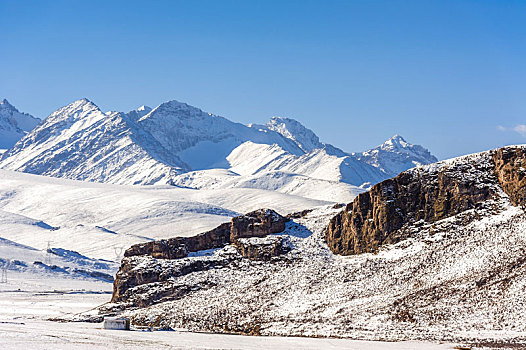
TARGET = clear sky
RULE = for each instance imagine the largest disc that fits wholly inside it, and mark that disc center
(450, 75)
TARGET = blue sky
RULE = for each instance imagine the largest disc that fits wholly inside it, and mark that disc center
(450, 75)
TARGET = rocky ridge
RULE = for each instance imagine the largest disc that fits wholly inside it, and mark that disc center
(427, 194)
(242, 232)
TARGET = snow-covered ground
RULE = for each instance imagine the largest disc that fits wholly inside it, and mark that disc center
(28, 301)
(461, 278)
(99, 220)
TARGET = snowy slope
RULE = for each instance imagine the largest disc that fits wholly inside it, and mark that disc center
(54, 263)
(460, 278)
(94, 218)
(289, 183)
(13, 124)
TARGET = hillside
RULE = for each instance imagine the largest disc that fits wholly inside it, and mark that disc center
(454, 272)
(104, 217)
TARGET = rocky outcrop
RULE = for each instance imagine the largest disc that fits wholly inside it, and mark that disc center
(144, 280)
(262, 248)
(143, 264)
(179, 247)
(258, 223)
(510, 169)
(428, 193)
(467, 271)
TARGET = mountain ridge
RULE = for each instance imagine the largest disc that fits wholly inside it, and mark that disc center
(158, 146)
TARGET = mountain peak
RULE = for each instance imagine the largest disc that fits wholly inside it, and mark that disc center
(397, 137)
(79, 109)
(175, 104)
(396, 155)
(396, 141)
(139, 112)
(14, 124)
(83, 103)
(292, 129)
(6, 105)
(144, 108)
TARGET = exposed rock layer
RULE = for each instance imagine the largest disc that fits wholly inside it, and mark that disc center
(430, 194)
(258, 223)
(510, 169)
(243, 231)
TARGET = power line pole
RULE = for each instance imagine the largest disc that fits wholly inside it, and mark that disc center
(118, 253)
(5, 266)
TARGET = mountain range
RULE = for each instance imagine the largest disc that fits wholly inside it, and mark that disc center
(177, 144)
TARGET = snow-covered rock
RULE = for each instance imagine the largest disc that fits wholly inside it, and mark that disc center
(14, 124)
(305, 138)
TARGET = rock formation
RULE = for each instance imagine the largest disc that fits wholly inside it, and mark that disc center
(246, 233)
(430, 194)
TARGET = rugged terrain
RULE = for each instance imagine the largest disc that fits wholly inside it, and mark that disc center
(427, 194)
(455, 272)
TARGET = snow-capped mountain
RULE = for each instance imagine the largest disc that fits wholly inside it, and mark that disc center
(203, 140)
(81, 142)
(182, 145)
(396, 155)
(14, 124)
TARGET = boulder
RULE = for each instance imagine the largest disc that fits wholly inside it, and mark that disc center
(264, 248)
(258, 223)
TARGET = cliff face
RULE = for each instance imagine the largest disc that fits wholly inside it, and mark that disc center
(510, 169)
(258, 223)
(428, 193)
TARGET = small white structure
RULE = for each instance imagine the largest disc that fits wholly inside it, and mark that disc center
(121, 323)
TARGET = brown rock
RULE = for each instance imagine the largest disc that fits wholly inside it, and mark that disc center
(261, 248)
(258, 223)
(179, 247)
(428, 194)
(510, 169)
(152, 272)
